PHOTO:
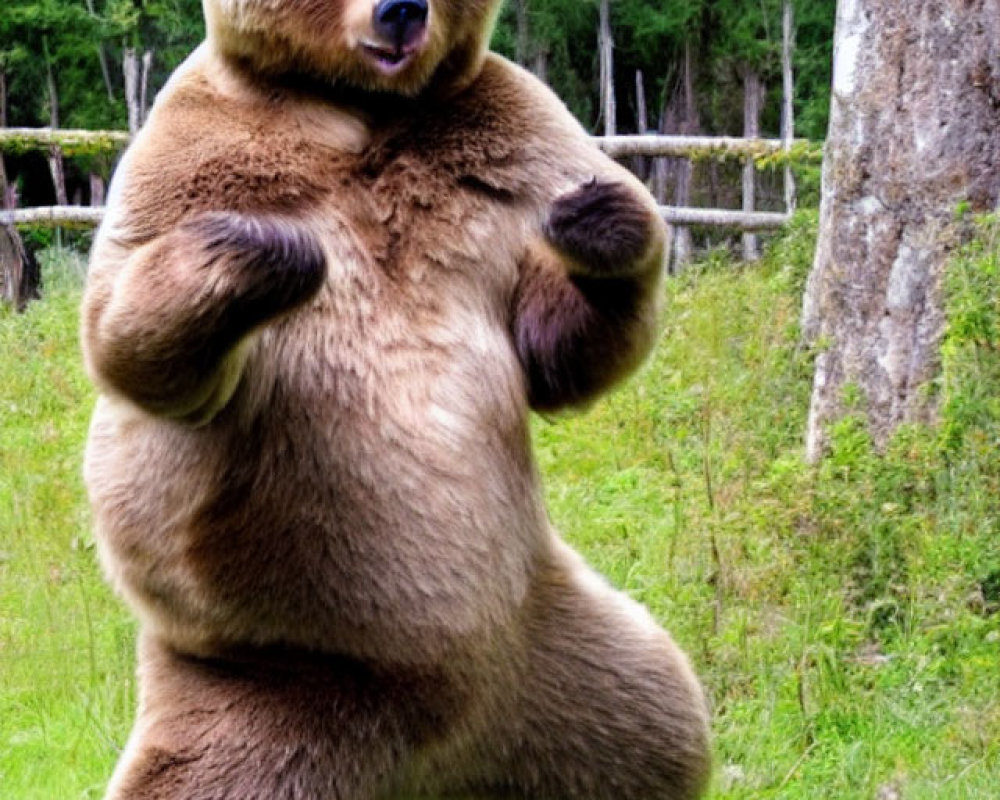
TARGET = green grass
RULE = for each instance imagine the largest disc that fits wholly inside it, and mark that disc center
(845, 618)
(66, 688)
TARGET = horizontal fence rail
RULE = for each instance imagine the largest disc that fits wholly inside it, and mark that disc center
(54, 217)
(82, 142)
(696, 147)
(71, 142)
(685, 216)
(25, 139)
(89, 217)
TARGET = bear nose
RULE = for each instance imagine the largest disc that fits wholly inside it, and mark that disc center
(400, 21)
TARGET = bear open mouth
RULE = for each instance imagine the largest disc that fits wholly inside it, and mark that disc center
(389, 59)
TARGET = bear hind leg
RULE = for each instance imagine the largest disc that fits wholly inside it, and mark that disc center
(272, 725)
(608, 707)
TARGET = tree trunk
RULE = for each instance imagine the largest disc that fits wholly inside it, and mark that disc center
(607, 47)
(683, 243)
(56, 165)
(915, 116)
(11, 265)
(97, 191)
(788, 98)
(540, 65)
(753, 99)
(20, 277)
(147, 67)
(130, 73)
(102, 57)
(662, 166)
(5, 193)
(522, 42)
(527, 52)
(641, 113)
(640, 164)
(11, 247)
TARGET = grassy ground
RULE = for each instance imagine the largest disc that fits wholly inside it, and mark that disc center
(845, 618)
(66, 684)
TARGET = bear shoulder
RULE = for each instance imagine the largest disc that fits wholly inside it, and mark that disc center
(216, 141)
(526, 110)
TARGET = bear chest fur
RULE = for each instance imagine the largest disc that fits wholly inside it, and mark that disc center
(370, 480)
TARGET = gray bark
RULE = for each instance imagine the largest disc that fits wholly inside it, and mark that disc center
(683, 244)
(11, 265)
(97, 190)
(540, 65)
(753, 99)
(607, 48)
(102, 57)
(4, 190)
(722, 218)
(914, 131)
(56, 165)
(20, 277)
(147, 67)
(640, 164)
(522, 42)
(661, 166)
(54, 216)
(788, 98)
(641, 112)
(130, 73)
(528, 53)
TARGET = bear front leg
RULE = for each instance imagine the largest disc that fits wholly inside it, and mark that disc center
(166, 329)
(585, 308)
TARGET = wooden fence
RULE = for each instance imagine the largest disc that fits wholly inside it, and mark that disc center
(761, 151)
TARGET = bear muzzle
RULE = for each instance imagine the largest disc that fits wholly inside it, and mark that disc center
(400, 27)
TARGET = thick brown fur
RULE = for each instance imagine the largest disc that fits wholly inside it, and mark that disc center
(322, 303)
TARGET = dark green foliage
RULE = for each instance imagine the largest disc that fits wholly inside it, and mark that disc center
(69, 37)
(725, 36)
(971, 351)
(80, 45)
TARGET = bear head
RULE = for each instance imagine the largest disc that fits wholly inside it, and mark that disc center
(398, 47)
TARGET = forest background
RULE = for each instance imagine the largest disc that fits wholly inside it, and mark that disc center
(75, 64)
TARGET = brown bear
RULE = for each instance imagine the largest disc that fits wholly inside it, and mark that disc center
(347, 254)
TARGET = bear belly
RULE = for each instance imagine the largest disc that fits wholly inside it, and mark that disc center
(387, 536)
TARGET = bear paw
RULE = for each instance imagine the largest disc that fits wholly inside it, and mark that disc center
(603, 227)
(275, 264)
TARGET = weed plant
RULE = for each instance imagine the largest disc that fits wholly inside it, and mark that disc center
(845, 617)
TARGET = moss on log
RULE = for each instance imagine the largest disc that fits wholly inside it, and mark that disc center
(16, 141)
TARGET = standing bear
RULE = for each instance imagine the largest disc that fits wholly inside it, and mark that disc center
(346, 256)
